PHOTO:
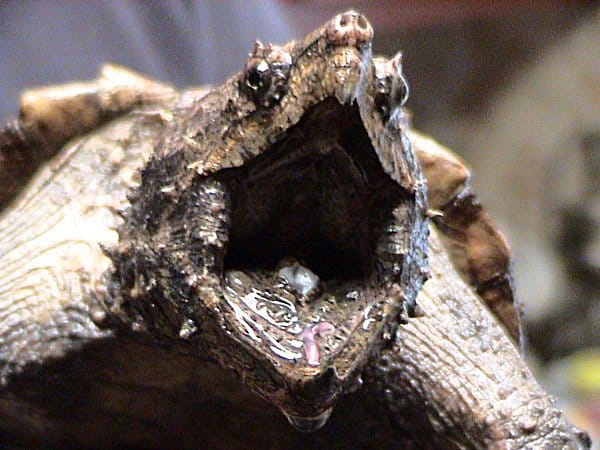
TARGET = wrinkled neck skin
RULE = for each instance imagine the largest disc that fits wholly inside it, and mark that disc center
(280, 226)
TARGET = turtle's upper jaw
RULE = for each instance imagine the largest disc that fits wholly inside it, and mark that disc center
(311, 258)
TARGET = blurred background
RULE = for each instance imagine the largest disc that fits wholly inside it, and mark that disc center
(513, 86)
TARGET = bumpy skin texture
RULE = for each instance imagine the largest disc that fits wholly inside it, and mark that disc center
(50, 116)
(155, 309)
(512, 410)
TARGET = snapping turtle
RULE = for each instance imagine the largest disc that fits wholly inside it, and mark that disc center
(197, 260)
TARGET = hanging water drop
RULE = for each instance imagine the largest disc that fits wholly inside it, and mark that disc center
(308, 424)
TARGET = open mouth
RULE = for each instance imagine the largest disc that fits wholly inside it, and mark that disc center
(308, 257)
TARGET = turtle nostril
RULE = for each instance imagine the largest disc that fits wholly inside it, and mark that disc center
(351, 19)
(362, 22)
(351, 29)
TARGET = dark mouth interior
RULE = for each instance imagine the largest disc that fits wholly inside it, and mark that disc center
(318, 195)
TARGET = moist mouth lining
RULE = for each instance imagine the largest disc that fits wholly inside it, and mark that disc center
(318, 195)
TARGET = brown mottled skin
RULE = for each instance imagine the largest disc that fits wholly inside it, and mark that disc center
(217, 255)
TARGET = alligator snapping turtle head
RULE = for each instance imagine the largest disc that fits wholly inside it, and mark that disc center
(315, 224)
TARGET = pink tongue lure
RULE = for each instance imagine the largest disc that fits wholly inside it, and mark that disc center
(311, 348)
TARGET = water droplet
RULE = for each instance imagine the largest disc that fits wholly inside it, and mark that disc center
(308, 424)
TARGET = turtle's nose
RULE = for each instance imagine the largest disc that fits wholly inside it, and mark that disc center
(350, 29)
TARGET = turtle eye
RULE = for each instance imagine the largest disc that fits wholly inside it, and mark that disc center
(382, 103)
(391, 89)
(382, 99)
(258, 76)
(266, 77)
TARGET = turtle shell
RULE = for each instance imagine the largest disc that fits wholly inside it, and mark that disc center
(477, 247)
